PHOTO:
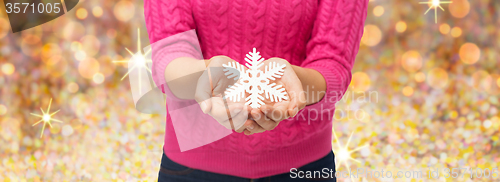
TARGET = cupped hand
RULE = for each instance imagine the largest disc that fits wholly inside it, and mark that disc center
(209, 90)
(268, 116)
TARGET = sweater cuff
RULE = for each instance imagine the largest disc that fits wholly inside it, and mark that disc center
(164, 51)
(337, 80)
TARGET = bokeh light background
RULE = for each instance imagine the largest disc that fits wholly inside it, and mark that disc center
(422, 94)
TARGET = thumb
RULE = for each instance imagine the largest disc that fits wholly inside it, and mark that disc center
(297, 98)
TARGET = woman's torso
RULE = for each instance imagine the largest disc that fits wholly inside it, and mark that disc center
(276, 28)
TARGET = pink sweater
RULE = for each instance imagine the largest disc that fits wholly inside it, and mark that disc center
(319, 34)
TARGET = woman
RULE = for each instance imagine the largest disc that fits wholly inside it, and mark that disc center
(316, 40)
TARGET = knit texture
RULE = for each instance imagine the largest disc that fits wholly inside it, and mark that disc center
(319, 34)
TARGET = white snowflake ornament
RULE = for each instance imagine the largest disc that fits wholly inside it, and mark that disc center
(254, 81)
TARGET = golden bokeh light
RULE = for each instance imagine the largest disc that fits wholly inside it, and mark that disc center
(495, 86)
(437, 78)
(3, 110)
(124, 10)
(459, 8)
(362, 115)
(343, 153)
(98, 78)
(32, 36)
(88, 67)
(46, 118)
(67, 130)
(111, 33)
(29, 49)
(139, 59)
(50, 51)
(80, 55)
(378, 11)
(73, 87)
(31, 39)
(407, 91)
(469, 53)
(56, 66)
(55, 129)
(81, 13)
(444, 28)
(456, 32)
(107, 65)
(119, 57)
(145, 116)
(97, 11)
(75, 46)
(435, 4)
(9, 124)
(76, 124)
(4, 27)
(453, 114)
(371, 36)
(360, 82)
(53, 60)
(8, 68)
(57, 27)
(73, 30)
(90, 45)
(411, 61)
(401, 26)
(146, 126)
(482, 81)
(420, 77)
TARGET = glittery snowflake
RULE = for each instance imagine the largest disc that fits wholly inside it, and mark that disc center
(254, 81)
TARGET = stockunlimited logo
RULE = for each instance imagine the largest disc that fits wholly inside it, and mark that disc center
(25, 14)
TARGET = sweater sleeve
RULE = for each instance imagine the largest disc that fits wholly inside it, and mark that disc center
(171, 30)
(333, 46)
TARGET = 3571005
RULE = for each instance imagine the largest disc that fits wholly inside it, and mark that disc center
(33, 8)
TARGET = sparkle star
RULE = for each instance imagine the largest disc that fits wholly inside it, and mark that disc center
(46, 118)
(343, 154)
(140, 61)
(435, 4)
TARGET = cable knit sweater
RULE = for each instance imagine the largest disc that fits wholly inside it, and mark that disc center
(319, 34)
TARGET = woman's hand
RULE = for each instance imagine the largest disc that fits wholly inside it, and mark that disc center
(268, 116)
(210, 87)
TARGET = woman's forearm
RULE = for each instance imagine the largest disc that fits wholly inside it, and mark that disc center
(313, 83)
(182, 75)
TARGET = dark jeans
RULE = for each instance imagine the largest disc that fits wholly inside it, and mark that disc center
(171, 171)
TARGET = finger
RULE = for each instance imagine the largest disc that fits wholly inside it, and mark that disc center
(244, 126)
(228, 109)
(220, 112)
(277, 113)
(233, 109)
(297, 99)
(295, 103)
(203, 92)
(246, 132)
(235, 123)
(239, 120)
(261, 119)
(253, 127)
(293, 112)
